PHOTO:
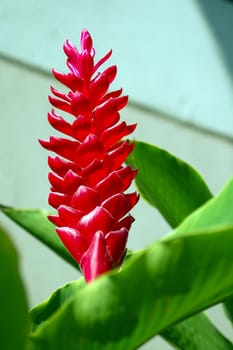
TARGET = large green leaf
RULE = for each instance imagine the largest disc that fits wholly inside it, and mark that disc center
(35, 221)
(194, 333)
(168, 282)
(13, 304)
(172, 186)
(220, 214)
(153, 291)
(167, 183)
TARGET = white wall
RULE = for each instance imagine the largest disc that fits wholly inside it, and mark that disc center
(174, 56)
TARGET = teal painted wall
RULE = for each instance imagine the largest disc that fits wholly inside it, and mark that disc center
(173, 56)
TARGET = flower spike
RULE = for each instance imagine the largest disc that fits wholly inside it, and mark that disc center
(88, 177)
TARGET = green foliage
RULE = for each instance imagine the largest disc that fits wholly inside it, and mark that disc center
(13, 305)
(168, 282)
(45, 310)
(167, 183)
(228, 306)
(196, 333)
(175, 189)
(153, 291)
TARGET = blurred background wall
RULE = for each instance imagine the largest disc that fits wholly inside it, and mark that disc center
(175, 60)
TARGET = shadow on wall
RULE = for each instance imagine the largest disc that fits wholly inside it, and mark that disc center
(219, 16)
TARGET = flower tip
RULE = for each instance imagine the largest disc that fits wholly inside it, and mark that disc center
(58, 75)
(95, 260)
(86, 40)
(115, 244)
(44, 143)
(69, 49)
(72, 239)
(52, 89)
(85, 33)
(102, 60)
(122, 101)
(54, 72)
(66, 45)
(55, 219)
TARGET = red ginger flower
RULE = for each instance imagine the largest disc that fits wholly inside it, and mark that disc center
(88, 179)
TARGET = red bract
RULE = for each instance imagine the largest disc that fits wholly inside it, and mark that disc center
(88, 179)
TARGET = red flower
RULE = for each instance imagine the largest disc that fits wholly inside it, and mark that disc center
(88, 179)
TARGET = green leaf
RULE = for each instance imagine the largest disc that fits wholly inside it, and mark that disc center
(146, 297)
(228, 307)
(13, 304)
(35, 221)
(183, 335)
(157, 288)
(167, 183)
(215, 215)
(47, 308)
(220, 215)
(170, 185)
(196, 333)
